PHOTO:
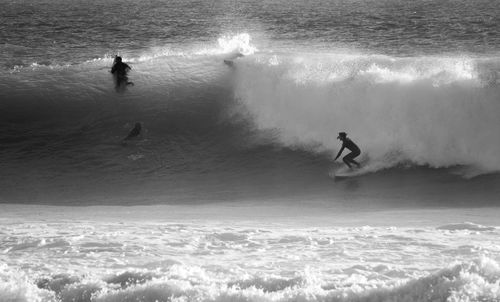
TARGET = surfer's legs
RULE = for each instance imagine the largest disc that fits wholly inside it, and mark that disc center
(121, 82)
(349, 159)
(356, 163)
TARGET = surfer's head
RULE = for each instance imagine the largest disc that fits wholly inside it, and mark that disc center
(118, 59)
(342, 135)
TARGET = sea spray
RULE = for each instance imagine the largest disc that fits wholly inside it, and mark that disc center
(433, 111)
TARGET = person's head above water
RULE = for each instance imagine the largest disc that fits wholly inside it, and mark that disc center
(342, 135)
(118, 59)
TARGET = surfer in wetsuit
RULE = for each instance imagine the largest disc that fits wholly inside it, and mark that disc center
(120, 70)
(349, 144)
(134, 132)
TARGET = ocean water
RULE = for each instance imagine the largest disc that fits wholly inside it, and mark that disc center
(248, 253)
(228, 193)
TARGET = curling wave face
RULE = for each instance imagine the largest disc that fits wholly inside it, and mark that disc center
(435, 111)
(268, 114)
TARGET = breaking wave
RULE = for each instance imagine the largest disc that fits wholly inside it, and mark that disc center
(431, 111)
(263, 113)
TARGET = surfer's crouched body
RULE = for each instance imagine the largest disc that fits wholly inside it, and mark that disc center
(120, 70)
(349, 144)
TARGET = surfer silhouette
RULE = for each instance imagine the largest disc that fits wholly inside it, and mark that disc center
(136, 131)
(120, 71)
(349, 144)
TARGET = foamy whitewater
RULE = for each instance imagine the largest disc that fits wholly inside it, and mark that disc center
(174, 254)
(229, 192)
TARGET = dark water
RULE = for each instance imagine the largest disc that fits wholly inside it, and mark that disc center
(414, 83)
(52, 31)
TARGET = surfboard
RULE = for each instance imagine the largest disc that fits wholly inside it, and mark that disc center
(345, 172)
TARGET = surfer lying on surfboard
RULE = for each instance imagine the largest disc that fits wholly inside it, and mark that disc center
(349, 144)
(136, 131)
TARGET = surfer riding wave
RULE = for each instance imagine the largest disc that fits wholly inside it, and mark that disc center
(349, 144)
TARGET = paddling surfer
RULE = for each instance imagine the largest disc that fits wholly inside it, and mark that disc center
(135, 132)
(349, 144)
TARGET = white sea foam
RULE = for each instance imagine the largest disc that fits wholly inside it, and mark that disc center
(46, 258)
(466, 226)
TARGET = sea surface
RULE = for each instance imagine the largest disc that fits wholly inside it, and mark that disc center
(229, 192)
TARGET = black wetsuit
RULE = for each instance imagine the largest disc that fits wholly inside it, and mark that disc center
(134, 132)
(120, 69)
(355, 151)
(349, 144)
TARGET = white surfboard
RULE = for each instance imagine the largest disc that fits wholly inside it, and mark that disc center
(345, 172)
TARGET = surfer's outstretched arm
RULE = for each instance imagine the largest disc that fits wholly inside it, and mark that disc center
(340, 152)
